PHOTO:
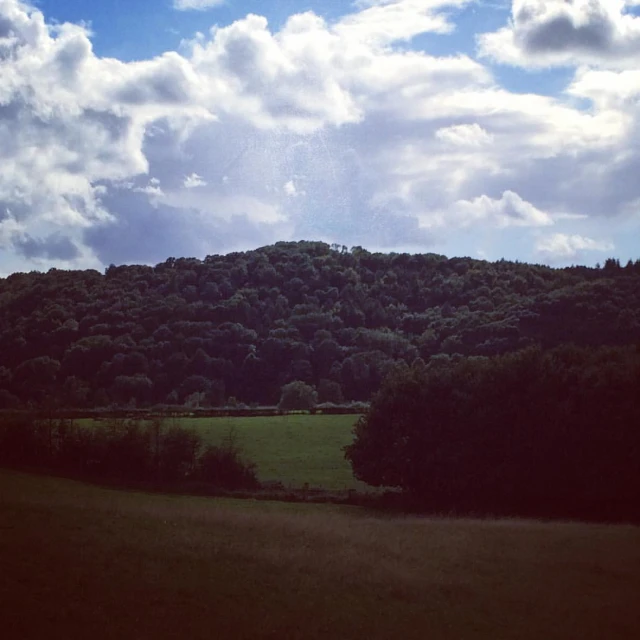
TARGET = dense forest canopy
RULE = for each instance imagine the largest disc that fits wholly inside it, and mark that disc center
(243, 325)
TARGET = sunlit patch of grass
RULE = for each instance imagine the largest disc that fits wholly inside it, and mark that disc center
(294, 449)
(82, 561)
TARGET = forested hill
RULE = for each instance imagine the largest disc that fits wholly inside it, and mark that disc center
(245, 324)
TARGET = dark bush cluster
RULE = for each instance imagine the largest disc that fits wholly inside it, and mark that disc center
(534, 433)
(123, 450)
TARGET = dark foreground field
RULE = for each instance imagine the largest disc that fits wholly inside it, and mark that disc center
(78, 561)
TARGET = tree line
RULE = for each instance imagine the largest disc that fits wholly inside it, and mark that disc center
(552, 433)
(237, 329)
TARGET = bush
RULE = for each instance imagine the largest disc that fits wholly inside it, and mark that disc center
(224, 469)
(177, 457)
(122, 449)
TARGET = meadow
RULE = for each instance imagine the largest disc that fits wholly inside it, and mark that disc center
(293, 449)
(79, 561)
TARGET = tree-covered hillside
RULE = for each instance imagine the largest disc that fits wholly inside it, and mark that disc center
(245, 324)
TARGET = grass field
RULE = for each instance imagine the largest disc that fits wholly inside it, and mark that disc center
(78, 561)
(293, 449)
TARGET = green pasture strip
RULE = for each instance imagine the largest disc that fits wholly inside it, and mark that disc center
(292, 449)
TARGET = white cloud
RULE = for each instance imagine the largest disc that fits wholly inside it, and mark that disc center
(543, 33)
(385, 21)
(292, 190)
(510, 210)
(196, 5)
(152, 189)
(607, 90)
(464, 135)
(69, 119)
(288, 79)
(193, 181)
(320, 129)
(563, 247)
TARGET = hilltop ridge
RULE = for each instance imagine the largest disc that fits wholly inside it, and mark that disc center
(242, 325)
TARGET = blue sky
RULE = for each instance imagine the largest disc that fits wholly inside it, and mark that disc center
(132, 131)
(118, 32)
(145, 28)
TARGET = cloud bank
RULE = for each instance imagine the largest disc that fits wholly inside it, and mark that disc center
(330, 130)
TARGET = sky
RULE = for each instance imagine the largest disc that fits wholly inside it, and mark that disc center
(135, 131)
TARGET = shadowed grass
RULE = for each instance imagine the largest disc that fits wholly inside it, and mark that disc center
(78, 561)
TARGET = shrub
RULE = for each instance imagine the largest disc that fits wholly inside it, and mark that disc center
(123, 450)
(223, 466)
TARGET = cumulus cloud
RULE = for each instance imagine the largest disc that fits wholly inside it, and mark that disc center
(193, 181)
(387, 21)
(544, 33)
(292, 190)
(153, 188)
(196, 5)
(327, 129)
(464, 135)
(286, 79)
(562, 247)
(607, 90)
(510, 210)
(69, 119)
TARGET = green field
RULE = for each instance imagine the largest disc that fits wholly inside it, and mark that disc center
(78, 561)
(293, 449)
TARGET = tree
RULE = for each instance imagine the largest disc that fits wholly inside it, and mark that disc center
(36, 377)
(324, 355)
(127, 388)
(8, 400)
(298, 396)
(5, 377)
(194, 400)
(530, 433)
(330, 391)
(195, 385)
(294, 311)
(75, 392)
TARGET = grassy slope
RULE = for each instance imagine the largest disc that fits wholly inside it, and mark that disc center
(292, 449)
(83, 562)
